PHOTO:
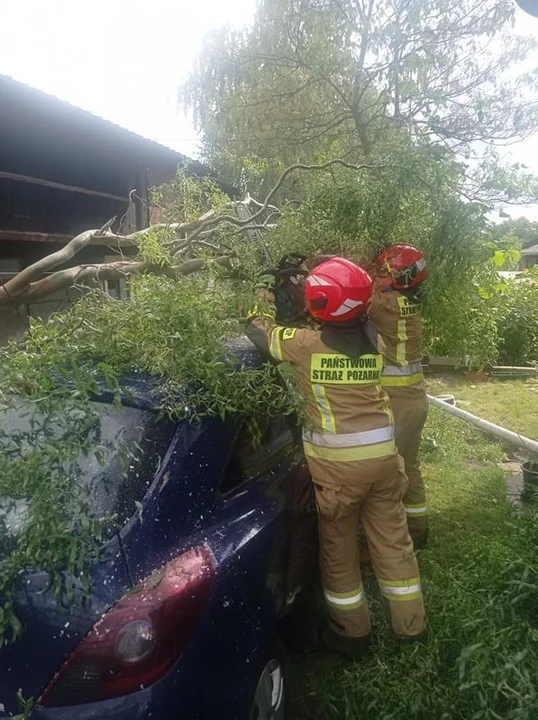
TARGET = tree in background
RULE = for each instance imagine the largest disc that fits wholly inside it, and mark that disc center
(317, 78)
(425, 92)
(525, 231)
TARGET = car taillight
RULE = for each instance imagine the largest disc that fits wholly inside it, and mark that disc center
(139, 639)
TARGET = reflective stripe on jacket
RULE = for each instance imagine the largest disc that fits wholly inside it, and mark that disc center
(398, 322)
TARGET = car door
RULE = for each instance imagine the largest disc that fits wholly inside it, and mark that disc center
(263, 478)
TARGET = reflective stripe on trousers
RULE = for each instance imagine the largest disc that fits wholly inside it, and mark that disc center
(401, 590)
(416, 510)
(346, 601)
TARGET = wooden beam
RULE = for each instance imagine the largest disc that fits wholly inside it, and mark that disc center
(59, 186)
(18, 236)
(60, 239)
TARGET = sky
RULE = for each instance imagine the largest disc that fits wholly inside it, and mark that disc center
(125, 59)
(121, 59)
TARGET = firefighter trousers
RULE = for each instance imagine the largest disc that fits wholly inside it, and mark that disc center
(378, 506)
(410, 408)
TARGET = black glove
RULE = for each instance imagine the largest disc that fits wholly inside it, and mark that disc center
(292, 261)
(267, 281)
(286, 282)
(288, 267)
(292, 304)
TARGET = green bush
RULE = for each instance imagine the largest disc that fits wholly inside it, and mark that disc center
(516, 315)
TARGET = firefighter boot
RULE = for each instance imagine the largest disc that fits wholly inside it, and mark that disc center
(348, 647)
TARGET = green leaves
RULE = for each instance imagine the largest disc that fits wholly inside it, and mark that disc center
(516, 312)
(498, 259)
(10, 625)
(24, 706)
(173, 329)
(152, 248)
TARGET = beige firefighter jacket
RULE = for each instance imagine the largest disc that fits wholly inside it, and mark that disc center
(399, 325)
(347, 414)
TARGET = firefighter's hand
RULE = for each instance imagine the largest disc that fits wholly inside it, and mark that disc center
(292, 261)
(263, 305)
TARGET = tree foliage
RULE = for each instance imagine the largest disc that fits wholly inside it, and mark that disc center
(525, 230)
(311, 79)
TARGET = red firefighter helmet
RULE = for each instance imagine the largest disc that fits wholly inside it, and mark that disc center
(337, 290)
(405, 264)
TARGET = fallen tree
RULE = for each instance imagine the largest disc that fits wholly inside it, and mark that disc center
(168, 248)
(191, 279)
(173, 326)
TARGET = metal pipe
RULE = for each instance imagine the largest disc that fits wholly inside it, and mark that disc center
(497, 431)
(516, 368)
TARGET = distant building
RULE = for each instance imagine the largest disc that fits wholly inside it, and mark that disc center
(529, 257)
(62, 171)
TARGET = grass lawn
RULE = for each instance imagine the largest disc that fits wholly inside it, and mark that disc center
(480, 578)
(510, 403)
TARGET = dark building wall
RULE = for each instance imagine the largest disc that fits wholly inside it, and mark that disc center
(26, 207)
(528, 261)
(46, 141)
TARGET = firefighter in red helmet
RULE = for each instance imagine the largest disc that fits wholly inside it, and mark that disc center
(395, 312)
(348, 440)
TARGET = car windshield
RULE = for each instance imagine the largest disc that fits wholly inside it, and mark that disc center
(114, 476)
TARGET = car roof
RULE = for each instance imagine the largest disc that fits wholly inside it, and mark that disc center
(146, 392)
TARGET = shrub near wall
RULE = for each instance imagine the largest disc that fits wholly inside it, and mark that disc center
(517, 320)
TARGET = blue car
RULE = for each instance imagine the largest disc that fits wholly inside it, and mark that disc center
(217, 536)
